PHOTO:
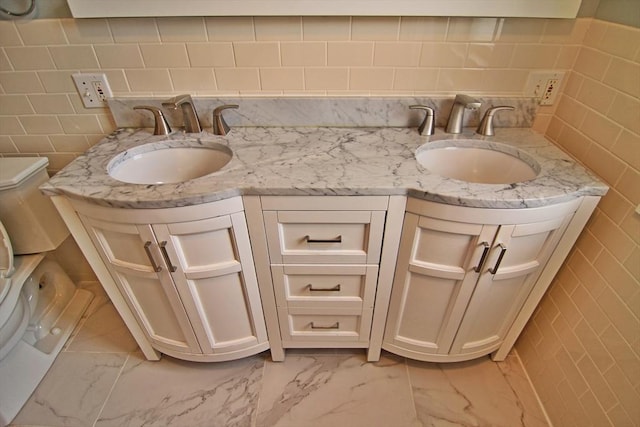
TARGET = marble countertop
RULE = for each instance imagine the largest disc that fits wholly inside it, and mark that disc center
(296, 161)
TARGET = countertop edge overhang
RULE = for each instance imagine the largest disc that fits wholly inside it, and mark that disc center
(321, 161)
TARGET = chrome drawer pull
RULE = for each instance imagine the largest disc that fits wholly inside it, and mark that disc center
(334, 326)
(503, 250)
(155, 266)
(308, 239)
(163, 248)
(483, 258)
(336, 288)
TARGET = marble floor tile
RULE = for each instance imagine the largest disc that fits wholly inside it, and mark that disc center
(338, 390)
(474, 393)
(103, 331)
(73, 391)
(101, 380)
(171, 392)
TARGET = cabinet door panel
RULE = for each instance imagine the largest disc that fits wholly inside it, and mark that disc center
(192, 243)
(123, 245)
(426, 306)
(154, 310)
(149, 293)
(498, 297)
(527, 244)
(443, 243)
(222, 304)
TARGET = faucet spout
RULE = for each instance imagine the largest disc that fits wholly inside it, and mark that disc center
(189, 114)
(460, 103)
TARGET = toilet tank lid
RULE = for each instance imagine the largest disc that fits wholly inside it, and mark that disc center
(14, 170)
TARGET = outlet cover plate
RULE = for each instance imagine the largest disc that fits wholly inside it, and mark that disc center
(537, 84)
(93, 89)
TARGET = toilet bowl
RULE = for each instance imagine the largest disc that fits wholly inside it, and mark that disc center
(39, 304)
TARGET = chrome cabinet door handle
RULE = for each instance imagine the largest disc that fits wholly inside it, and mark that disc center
(163, 248)
(483, 257)
(336, 288)
(155, 266)
(503, 250)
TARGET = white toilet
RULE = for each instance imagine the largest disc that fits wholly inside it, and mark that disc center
(39, 304)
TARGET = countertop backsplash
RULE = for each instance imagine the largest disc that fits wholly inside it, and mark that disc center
(334, 112)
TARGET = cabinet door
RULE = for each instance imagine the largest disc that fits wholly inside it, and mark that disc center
(131, 254)
(505, 283)
(434, 280)
(215, 276)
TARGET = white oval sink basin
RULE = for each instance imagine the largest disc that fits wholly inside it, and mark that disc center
(168, 165)
(477, 161)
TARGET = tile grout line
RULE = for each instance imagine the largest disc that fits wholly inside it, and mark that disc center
(254, 420)
(535, 392)
(112, 388)
(413, 400)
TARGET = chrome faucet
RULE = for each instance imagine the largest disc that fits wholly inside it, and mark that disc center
(462, 102)
(189, 115)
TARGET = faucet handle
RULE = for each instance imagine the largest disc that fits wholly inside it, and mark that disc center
(161, 126)
(427, 126)
(220, 127)
(486, 124)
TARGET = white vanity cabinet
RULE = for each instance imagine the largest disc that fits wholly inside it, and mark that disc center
(463, 276)
(325, 259)
(187, 275)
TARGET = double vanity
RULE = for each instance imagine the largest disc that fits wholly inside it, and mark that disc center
(437, 248)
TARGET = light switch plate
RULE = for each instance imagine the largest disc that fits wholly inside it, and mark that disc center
(93, 89)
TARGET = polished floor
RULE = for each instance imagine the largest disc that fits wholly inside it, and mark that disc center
(101, 379)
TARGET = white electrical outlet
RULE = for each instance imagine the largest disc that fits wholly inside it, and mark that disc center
(93, 89)
(544, 85)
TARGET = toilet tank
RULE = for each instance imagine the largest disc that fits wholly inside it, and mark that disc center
(32, 222)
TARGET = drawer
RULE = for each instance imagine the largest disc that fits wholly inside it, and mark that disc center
(326, 237)
(324, 326)
(315, 286)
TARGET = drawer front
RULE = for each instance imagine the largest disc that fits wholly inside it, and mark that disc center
(315, 286)
(325, 325)
(327, 237)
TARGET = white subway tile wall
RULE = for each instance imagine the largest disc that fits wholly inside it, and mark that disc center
(279, 56)
(581, 349)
